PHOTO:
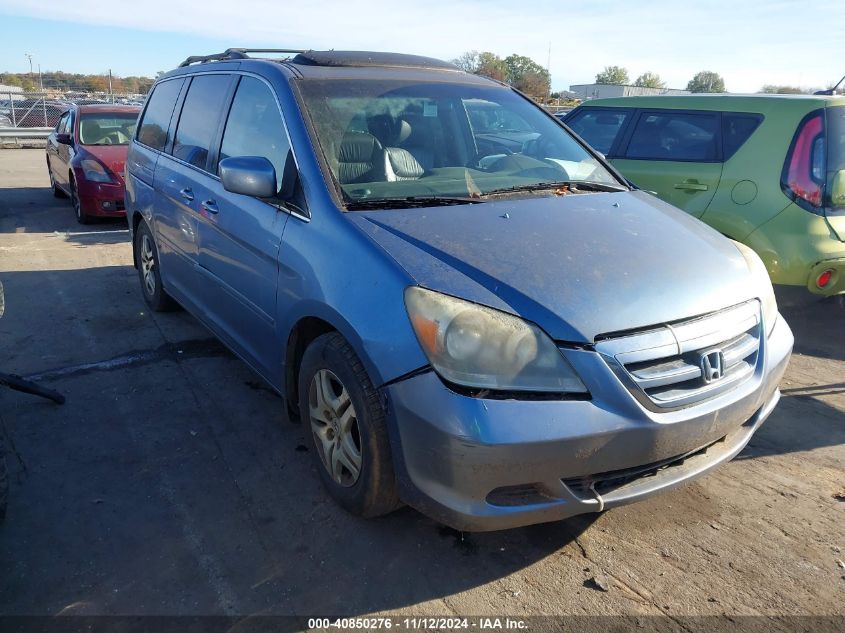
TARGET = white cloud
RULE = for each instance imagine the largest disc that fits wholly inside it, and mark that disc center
(749, 43)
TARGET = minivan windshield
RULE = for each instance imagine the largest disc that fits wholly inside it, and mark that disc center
(107, 128)
(390, 143)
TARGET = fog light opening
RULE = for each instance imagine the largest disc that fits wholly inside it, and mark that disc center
(824, 279)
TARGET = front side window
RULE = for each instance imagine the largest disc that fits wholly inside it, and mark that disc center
(156, 118)
(255, 128)
(107, 128)
(395, 140)
(598, 127)
(199, 119)
(676, 136)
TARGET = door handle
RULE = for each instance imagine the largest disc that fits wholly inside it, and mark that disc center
(210, 206)
(691, 185)
(187, 194)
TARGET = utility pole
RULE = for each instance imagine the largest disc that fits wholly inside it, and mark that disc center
(43, 95)
(111, 94)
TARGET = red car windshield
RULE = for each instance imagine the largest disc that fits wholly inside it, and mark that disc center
(107, 128)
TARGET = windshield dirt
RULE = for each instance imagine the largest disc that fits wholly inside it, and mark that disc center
(389, 141)
(112, 128)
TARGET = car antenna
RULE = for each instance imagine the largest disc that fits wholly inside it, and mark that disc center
(830, 91)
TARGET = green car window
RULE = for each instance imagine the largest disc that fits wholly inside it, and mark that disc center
(678, 136)
(736, 130)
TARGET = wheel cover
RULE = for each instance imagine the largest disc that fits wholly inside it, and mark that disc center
(148, 265)
(334, 425)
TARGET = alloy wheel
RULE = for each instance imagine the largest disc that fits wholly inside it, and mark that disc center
(148, 265)
(334, 424)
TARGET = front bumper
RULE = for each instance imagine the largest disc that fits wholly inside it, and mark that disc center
(102, 199)
(481, 464)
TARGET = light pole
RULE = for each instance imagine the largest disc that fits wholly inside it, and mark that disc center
(29, 57)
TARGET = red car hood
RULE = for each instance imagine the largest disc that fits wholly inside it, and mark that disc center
(112, 156)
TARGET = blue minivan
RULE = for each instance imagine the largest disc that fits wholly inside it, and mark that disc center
(470, 311)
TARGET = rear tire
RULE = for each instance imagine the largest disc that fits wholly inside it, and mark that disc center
(81, 216)
(57, 192)
(346, 428)
(149, 271)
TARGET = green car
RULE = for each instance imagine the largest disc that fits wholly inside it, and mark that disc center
(765, 170)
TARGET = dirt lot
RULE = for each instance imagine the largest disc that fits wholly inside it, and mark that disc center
(172, 482)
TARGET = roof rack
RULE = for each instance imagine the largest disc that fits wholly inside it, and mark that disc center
(235, 53)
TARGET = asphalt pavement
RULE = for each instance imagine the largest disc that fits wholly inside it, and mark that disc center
(172, 482)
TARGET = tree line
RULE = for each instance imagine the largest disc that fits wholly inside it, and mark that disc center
(60, 81)
(704, 81)
(522, 72)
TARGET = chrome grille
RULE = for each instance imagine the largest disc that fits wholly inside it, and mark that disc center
(663, 366)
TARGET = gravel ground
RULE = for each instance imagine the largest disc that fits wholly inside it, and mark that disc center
(172, 482)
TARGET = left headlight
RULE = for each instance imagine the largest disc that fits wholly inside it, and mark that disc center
(94, 171)
(763, 284)
(475, 346)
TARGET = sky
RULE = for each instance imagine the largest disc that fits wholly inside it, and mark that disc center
(749, 42)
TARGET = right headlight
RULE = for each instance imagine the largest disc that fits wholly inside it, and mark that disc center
(475, 346)
(763, 285)
(94, 171)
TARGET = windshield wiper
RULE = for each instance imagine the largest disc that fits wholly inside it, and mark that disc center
(409, 202)
(568, 184)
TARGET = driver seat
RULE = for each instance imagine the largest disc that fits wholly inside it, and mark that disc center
(90, 132)
(399, 163)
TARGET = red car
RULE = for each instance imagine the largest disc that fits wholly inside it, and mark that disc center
(86, 154)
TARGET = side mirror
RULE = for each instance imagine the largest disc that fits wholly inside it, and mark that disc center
(248, 175)
(837, 189)
(64, 139)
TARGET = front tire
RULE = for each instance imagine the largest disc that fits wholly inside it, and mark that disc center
(149, 271)
(81, 216)
(345, 423)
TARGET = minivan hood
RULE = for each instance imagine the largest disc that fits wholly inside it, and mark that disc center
(578, 265)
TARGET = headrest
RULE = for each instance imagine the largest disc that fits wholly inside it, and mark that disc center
(389, 130)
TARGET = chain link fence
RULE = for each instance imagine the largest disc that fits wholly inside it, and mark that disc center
(28, 115)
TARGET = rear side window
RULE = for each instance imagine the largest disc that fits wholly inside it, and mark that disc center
(199, 119)
(736, 129)
(255, 127)
(152, 131)
(599, 127)
(677, 136)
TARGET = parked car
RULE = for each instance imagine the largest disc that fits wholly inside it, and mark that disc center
(765, 170)
(86, 155)
(495, 339)
(33, 112)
